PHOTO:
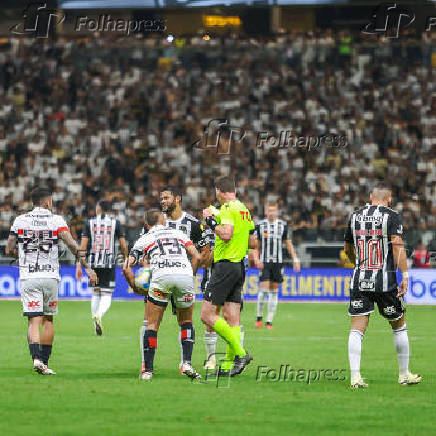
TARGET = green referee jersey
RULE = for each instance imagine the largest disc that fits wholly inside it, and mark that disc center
(236, 214)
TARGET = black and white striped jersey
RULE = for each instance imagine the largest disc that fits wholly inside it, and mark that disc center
(370, 229)
(102, 232)
(190, 226)
(271, 236)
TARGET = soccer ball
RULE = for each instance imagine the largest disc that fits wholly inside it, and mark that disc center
(143, 279)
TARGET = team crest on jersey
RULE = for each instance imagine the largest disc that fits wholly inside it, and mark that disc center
(367, 285)
(389, 310)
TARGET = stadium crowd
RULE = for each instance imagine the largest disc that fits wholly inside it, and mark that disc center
(119, 119)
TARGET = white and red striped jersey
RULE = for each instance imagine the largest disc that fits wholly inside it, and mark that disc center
(37, 233)
(166, 250)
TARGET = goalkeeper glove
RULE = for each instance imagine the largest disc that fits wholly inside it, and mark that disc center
(211, 222)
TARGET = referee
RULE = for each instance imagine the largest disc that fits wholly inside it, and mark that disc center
(232, 225)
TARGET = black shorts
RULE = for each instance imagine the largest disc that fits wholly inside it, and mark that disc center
(272, 272)
(225, 284)
(106, 278)
(389, 305)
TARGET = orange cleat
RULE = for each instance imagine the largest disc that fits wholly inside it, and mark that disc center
(258, 324)
(269, 326)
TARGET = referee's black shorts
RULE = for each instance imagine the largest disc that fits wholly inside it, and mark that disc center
(226, 282)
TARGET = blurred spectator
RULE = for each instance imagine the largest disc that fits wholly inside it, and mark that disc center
(421, 257)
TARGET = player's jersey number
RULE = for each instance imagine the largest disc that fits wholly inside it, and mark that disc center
(370, 254)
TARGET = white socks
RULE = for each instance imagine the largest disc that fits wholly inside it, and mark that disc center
(141, 338)
(354, 352)
(105, 303)
(401, 342)
(210, 343)
(95, 303)
(261, 301)
(272, 305)
(100, 303)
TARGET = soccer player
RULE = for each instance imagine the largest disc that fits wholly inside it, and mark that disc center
(37, 233)
(176, 218)
(271, 232)
(98, 240)
(374, 239)
(172, 274)
(231, 224)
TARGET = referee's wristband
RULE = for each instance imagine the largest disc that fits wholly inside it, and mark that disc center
(405, 274)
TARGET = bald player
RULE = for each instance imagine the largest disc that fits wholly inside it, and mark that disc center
(373, 238)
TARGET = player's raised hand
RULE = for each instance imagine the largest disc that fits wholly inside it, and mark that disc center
(404, 286)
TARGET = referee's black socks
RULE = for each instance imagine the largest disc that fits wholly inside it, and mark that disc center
(187, 338)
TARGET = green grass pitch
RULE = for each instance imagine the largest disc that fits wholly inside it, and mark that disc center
(97, 390)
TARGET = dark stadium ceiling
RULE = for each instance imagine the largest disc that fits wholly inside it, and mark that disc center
(127, 4)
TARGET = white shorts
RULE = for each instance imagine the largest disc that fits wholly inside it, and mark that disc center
(39, 296)
(181, 286)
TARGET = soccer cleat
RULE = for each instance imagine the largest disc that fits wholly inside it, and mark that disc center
(187, 369)
(269, 326)
(240, 363)
(210, 364)
(47, 371)
(97, 325)
(358, 383)
(258, 324)
(38, 366)
(409, 379)
(146, 375)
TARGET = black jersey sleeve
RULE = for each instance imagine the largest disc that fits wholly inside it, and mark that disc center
(395, 226)
(86, 229)
(196, 235)
(287, 232)
(119, 230)
(348, 237)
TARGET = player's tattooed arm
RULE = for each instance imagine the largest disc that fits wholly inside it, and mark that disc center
(206, 255)
(400, 261)
(123, 245)
(350, 251)
(195, 257)
(11, 248)
(80, 255)
(83, 245)
(128, 271)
